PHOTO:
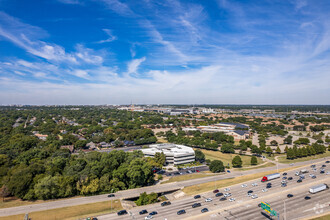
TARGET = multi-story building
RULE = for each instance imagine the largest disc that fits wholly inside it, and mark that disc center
(175, 154)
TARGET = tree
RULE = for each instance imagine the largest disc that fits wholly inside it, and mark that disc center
(304, 141)
(237, 161)
(290, 154)
(286, 149)
(199, 155)
(288, 140)
(160, 158)
(227, 148)
(269, 151)
(4, 192)
(216, 166)
(278, 150)
(254, 160)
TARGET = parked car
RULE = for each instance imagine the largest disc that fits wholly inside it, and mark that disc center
(181, 212)
(197, 197)
(143, 212)
(111, 195)
(196, 205)
(122, 212)
(289, 195)
(204, 210)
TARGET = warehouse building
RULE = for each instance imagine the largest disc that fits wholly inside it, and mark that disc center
(175, 154)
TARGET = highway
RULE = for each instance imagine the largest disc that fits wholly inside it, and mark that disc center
(136, 192)
(245, 207)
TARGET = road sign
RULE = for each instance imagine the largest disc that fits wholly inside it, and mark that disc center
(265, 206)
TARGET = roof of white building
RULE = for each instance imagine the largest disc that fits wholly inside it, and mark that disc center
(168, 149)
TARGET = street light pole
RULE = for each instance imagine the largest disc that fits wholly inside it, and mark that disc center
(284, 211)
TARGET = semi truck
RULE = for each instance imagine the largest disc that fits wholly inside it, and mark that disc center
(298, 173)
(270, 177)
(318, 188)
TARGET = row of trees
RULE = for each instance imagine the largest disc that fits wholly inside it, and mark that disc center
(217, 166)
(295, 152)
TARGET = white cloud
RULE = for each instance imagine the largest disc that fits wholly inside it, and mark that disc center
(110, 38)
(134, 65)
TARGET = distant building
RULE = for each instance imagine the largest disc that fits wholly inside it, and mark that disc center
(175, 154)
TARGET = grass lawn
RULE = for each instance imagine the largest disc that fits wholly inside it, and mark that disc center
(73, 212)
(227, 158)
(205, 187)
(282, 159)
(188, 177)
(325, 217)
(256, 167)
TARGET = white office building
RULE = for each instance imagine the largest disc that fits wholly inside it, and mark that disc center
(175, 154)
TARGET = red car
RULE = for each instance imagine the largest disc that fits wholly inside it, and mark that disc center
(197, 170)
(215, 191)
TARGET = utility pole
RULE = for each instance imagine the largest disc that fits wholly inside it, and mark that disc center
(284, 211)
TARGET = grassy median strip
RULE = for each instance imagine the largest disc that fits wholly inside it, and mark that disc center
(188, 177)
(205, 187)
(325, 217)
(72, 212)
(268, 164)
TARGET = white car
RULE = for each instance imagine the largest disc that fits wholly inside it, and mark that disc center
(254, 184)
(283, 181)
(249, 194)
(231, 199)
(254, 196)
(227, 189)
(148, 217)
(291, 164)
(227, 194)
(208, 200)
(244, 185)
(264, 190)
(328, 172)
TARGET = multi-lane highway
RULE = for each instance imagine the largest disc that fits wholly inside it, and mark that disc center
(244, 207)
(136, 192)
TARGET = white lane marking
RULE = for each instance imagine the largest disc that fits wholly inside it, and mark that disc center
(316, 207)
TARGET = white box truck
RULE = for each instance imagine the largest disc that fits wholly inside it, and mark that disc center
(318, 188)
(298, 173)
(270, 177)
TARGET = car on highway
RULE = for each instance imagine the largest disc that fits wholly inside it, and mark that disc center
(283, 181)
(231, 199)
(289, 195)
(208, 200)
(264, 190)
(111, 195)
(223, 199)
(244, 185)
(195, 205)
(204, 210)
(324, 165)
(290, 178)
(144, 211)
(218, 194)
(122, 212)
(328, 172)
(228, 171)
(269, 186)
(250, 191)
(227, 189)
(254, 196)
(249, 194)
(215, 191)
(299, 181)
(291, 164)
(284, 174)
(197, 171)
(328, 161)
(322, 172)
(307, 197)
(313, 166)
(284, 178)
(153, 213)
(91, 218)
(182, 211)
(313, 177)
(197, 196)
(148, 217)
(283, 185)
(254, 184)
(227, 194)
(165, 203)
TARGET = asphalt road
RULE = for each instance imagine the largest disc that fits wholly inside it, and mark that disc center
(136, 192)
(244, 207)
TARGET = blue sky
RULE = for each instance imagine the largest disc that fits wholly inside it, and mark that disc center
(169, 51)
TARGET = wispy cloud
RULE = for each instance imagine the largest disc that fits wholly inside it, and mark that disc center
(110, 38)
(134, 65)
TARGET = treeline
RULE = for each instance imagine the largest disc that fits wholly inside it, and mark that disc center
(295, 152)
